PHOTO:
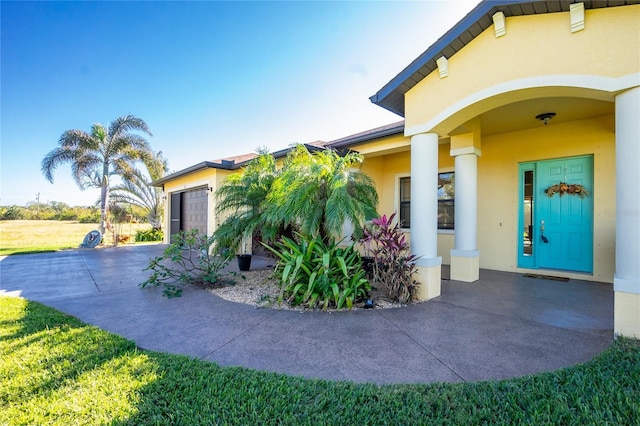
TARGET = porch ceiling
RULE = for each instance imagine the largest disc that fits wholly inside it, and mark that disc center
(521, 115)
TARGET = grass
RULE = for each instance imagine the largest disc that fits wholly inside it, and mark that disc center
(37, 236)
(55, 369)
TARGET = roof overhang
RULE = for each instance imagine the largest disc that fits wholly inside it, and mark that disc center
(391, 96)
(369, 135)
(224, 164)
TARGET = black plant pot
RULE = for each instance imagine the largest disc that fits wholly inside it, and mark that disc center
(244, 261)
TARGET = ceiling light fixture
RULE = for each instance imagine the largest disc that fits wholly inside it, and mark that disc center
(545, 116)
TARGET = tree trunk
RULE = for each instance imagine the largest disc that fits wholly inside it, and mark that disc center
(104, 199)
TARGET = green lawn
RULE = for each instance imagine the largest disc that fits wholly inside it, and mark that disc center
(55, 369)
(36, 236)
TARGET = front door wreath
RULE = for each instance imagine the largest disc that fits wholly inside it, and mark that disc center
(567, 188)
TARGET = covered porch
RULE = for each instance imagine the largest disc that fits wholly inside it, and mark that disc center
(573, 304)
(481, 89)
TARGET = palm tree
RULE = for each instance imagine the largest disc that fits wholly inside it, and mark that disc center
(319, 192)
(242, 196)
(137, 190)
(313, 193)
(98, 155)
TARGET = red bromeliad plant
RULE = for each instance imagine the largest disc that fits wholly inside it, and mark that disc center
(393, 265)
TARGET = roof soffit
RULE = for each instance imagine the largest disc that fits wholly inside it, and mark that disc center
(391, 96)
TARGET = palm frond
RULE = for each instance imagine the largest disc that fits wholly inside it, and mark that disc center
(320, 191)
(53, 159)
(156, 164)
(127, 123)
(72, 145)
(135, 146)
(137, 191)
(314, 193)
(77, 140)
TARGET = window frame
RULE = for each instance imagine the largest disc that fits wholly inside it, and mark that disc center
(451, 201)
(398, 177)
(397, 201)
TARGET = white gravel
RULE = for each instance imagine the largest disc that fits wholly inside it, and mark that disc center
(261, 289)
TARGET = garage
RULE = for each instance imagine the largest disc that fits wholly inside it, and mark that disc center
(189, 210)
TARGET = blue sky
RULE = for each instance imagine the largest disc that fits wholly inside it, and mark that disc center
(211, 79)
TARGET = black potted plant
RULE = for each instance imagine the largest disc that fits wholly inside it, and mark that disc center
(244, 261)
(245, 254)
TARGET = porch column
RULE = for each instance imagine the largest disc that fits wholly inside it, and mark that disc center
(626, 284)
(424, 213)
(465, 257)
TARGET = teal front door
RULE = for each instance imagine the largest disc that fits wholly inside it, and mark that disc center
(557, 215)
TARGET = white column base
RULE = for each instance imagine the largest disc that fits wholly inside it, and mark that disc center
(429, 276)
(465, 265)
(626, 319)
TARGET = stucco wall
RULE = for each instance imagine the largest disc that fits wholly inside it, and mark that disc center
(498, 187)
(387, 169)
(535, 48)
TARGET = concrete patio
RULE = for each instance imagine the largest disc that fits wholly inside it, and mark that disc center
(503, 326)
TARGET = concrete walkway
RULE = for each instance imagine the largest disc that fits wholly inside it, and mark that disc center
(503, 326)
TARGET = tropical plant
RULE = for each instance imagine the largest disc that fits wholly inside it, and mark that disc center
(242, 196)
(317, 193)
(100, 154)
(149, 235)
(313, 194)
(118, 215)
(314, 273)
(192, 258)
(136, 189)
(394, 266)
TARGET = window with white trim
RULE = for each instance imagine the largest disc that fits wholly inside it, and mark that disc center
(404, 209)
(446, 201)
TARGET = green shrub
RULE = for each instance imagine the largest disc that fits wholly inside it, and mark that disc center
(394, 265)
(89, 217)
(313, 273)
(191, 259)
(149, 235)
(12, 213)
(68, 214)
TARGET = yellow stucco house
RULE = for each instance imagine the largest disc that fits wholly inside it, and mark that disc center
(519, 150)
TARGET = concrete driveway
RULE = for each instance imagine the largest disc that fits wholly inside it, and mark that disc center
(503, 326)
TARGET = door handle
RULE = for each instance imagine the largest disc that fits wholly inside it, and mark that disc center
(542, 237)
